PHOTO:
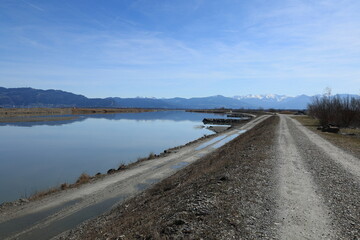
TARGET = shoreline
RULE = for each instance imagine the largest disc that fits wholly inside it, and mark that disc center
(109, 190)
(98, 176)
(18, 114)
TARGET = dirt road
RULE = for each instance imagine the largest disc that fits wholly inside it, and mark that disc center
(319, 186)
(279, 181)
(48, 217)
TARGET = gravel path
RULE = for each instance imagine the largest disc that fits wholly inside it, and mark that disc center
(335, 175)
(301, 213)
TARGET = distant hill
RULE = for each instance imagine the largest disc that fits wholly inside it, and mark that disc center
(29, 97)
(142, 103)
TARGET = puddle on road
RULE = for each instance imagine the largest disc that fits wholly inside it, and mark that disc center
(179, 165)
(72, 221)
(228, 139)
(204, 145)
(225, 140)
(14, 225)
(153, 180)
(149, 182)
(142, 186)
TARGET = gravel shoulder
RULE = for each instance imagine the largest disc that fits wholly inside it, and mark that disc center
(335, 172)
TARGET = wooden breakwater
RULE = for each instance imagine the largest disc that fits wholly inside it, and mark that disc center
(223, 121)
(241, 115)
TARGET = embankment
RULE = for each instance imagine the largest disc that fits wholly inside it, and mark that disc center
(226, 194)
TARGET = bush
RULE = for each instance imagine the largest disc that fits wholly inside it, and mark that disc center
(84, 178)
(336, 110)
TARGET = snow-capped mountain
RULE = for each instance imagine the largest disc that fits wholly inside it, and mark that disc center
(264, 97)
(29, 97)
(275, 101)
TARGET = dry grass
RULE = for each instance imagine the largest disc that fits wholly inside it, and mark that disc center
(26, 112)
(41, 194)
(287, 112)
(21, 112)
(84, 178)
(342, 139)
(109, 110)
(64, 186)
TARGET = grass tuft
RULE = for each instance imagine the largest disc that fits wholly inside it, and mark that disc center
(64, 186)
(42, 194)
(84, 178)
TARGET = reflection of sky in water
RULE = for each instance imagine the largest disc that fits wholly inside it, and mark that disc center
(42, 156)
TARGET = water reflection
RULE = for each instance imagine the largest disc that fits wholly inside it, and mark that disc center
(145, 116)
(40, 155)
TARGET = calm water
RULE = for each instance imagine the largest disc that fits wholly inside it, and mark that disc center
(37, 156)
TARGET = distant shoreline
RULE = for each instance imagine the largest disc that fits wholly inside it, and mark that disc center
(33, 114)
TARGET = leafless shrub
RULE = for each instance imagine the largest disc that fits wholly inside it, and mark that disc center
(340, 111)
(84, 178)
(151, 156)
(64, 186)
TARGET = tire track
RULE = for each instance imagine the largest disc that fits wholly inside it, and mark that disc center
(348, 162)
(336, 179)
(301, 214)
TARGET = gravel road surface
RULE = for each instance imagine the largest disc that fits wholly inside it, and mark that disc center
(327, 204)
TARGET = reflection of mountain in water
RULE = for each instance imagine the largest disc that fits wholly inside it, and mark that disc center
(40, 122)
(145, 116)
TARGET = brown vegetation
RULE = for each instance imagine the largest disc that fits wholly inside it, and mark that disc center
(287, 112)
(109, 110)
(84, 178)
(41, 194)
(343, 112)
(348, 138)
(22, 112)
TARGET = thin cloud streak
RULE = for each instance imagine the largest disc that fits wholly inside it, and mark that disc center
(33, 5)
(315, 43)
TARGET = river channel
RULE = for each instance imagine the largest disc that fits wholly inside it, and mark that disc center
(38, 155)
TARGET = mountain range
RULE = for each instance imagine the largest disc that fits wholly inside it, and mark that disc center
(29, 97)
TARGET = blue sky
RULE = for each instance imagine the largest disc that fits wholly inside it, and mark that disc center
(183, 48)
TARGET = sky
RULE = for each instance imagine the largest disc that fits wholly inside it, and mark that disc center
(181, 48)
